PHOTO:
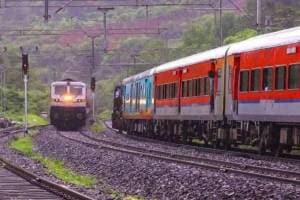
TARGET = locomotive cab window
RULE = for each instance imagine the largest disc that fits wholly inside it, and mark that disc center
(267, 79)
(280, 75)
(244, 81)
(294, 71)
(60, 89)
(76, 90)
(255, 80)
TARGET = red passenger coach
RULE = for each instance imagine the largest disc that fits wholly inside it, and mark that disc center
(243, 93)
(269, 84)
(166, 94)
(196, 101)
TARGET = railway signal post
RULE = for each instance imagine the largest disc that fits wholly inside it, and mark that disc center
(25, 66)
(93, 87)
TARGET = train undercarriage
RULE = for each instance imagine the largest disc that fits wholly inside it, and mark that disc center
(266, 136)
(67, 118)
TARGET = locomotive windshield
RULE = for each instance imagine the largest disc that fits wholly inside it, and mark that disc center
(76, 90)
(60, 90)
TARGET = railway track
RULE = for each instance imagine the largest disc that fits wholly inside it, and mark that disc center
(234, 152)
(290, 177)
(17, 129)
(17, 183)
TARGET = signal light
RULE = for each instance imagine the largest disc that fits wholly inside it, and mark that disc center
(25, 64)
(93, 84)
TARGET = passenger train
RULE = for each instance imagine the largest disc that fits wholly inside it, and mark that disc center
(68, 106)
(242, 93)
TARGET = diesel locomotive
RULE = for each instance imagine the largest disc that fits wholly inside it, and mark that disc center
(68, 106)
(242, 93)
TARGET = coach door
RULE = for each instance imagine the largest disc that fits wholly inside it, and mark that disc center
(219, 93)
(148, 93)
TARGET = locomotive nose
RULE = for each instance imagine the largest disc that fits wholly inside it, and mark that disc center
(79, 116)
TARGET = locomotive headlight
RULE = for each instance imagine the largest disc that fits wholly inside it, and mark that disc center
(67, 98)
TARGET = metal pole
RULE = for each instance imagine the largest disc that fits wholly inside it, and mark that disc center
(221, 23)
(216, 24)
(4, 88)
(93, 55)
(258, 14)
(93, 98)
(25, 102)
(46, 17)
(105, 30)
(2, 92)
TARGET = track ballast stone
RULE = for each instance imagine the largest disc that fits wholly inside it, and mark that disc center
(155, 179)
(36, 168)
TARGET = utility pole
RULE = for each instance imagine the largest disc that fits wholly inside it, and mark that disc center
(2, 88)
(93, 55)
(258, 15)
(46, 14)
(105, 11)
(221, 22)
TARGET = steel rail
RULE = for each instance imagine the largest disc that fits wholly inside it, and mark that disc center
(234, 151)
(186, 160)
(50, 186)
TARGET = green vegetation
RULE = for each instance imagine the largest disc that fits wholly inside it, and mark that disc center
(33, 119)
(240, 36)
(56, 167)
(97, 127)
(118, 195)
(133, 198)
(104, 115)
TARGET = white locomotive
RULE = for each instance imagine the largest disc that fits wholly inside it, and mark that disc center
(68, 106)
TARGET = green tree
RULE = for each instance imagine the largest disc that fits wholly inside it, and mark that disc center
(240, 36)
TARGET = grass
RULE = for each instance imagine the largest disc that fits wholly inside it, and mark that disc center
(97, 127)
(118, 195)
(104, 115)
(33, 119)
(56, 167)
(133, 198)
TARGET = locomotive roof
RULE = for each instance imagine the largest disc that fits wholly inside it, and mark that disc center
(64, 83)
(279, 38)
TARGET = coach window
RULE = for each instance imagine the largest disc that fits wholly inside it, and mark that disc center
(255, 80)
(244, 81)
(207, 86)
(198, 87)
(280, 75)
(174, 92)
(294, 71)
(267, 79)
(202, 86)
(168, 91)
(184, 89)
(165, 92)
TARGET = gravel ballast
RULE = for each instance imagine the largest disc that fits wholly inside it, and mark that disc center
(153, 179)
(191, 151)
(35, 167)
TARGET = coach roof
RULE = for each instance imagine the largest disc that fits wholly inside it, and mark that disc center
(193, 59)
(279, 38)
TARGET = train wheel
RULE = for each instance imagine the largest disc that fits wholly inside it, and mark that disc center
(279, 151)
(261, 147)
(216, 144)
